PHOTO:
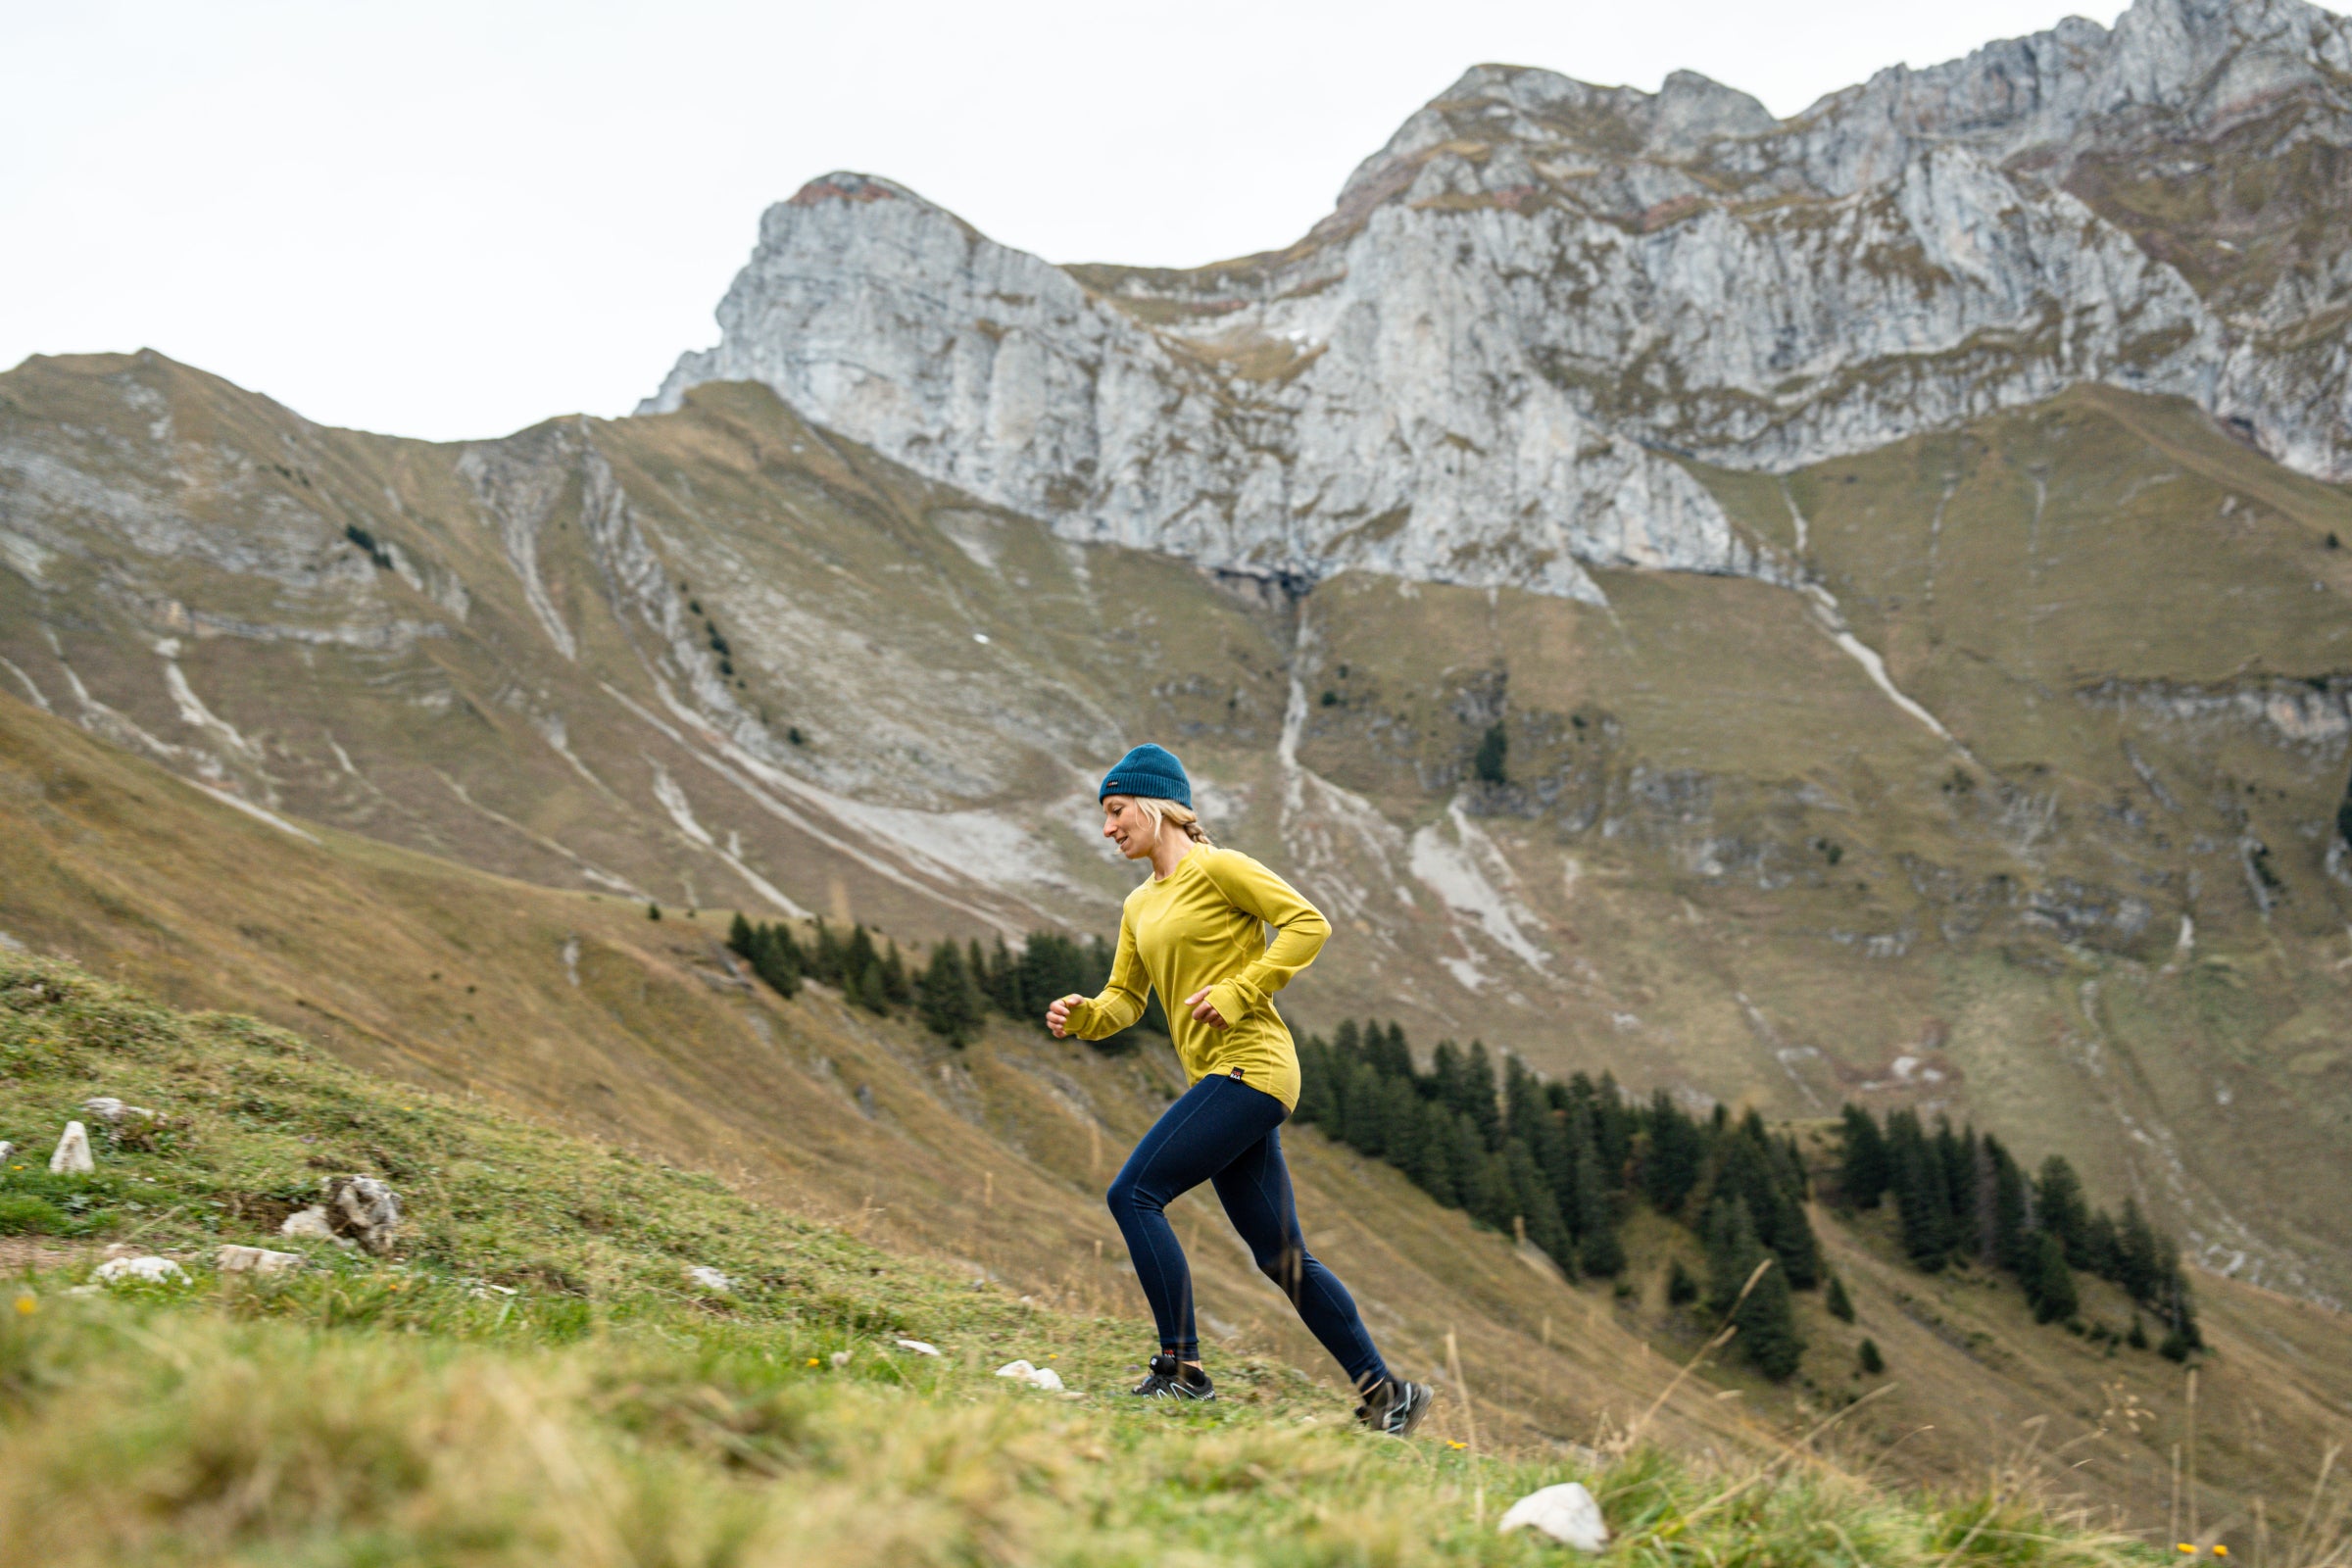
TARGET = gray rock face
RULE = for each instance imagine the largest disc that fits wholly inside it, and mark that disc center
(1496, 360)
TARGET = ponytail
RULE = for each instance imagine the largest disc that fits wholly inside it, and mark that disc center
(1165, 811)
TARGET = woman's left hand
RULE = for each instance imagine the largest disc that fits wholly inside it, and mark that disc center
(1199, 1003)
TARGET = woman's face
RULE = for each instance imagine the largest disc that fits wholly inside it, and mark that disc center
(1129, 827)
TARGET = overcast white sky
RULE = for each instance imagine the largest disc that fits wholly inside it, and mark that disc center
(454, 220)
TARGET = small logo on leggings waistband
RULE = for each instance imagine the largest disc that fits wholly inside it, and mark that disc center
(1237, 1072)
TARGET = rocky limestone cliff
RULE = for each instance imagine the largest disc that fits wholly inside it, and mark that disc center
(1542, 301)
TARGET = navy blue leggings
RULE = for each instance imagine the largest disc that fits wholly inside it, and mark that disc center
(1226, 1133)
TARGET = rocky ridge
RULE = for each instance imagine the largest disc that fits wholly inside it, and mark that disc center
(1543, 304)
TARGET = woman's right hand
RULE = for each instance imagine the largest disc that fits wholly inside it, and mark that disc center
(1058, 1016)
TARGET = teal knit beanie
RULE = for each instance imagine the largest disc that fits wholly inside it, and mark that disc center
(1151, 771)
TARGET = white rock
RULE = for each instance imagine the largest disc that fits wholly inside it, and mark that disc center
(710, 1279)
(918, 1347)
(1037, 1377)
(150, 1270)
(6, 1150)
(107, 1108)
(311, 1224)
(1566, 1513)
(365, 1209)
(73, 1157)
(235, 1260)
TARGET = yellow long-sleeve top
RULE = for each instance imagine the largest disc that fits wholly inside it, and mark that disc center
(1202, 924)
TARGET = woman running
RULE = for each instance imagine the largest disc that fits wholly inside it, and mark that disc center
(1195, 930)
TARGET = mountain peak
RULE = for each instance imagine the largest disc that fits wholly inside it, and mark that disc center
(1496, 359)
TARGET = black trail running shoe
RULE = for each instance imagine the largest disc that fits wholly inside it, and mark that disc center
(1171, 1378)
(1395, 1407)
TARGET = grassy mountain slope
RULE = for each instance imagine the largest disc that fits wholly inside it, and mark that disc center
(531, 1377)
(2104, 910)
(991, 1158)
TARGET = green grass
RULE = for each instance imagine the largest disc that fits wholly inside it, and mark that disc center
(529, 1377)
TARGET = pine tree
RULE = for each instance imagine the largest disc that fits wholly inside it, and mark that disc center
(776, 958)
(2103, 1247)
(952, 1004)
(897, 986)
(2008, 1207)
(1494, 751)
(1612, 1132)
(1918, 1193)
(739, 937)
(1432, 1169)
(1555, 1160)
(1984, 1206)
(1445, 1081)
(1401, 1122)
(2137, 1339)
(1399, 1051)
(1003, 983)
(2048, 1282)
(1336, 1070)
(1480, 1102)
(1598, 1248)
(1681, 1289)
(1492, 1201)
(652, 911)
(1467, 1158)
(1314, 1082)
(824, 959)
(1774, 1199)
(2140, 1259)
(1733, 1252)
(2174, 1302)
(1840, 1304)
(1670, 1167)
(870, 989)
(1767, 1318)
(1524, 1103)
(1537, 1206)
(2059, 1209)
(1577, 1184)
(1347, 1040)
(1959, 1180)
(1768, 1327)
(1363, 1112)
(1868, 1357)
(859, 953)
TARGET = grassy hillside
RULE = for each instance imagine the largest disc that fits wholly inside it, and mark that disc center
(991, 1159)
(725, 657)
(530, 1377)
(989, 1163)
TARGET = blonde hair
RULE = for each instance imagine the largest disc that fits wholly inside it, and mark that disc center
(1163, 811)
